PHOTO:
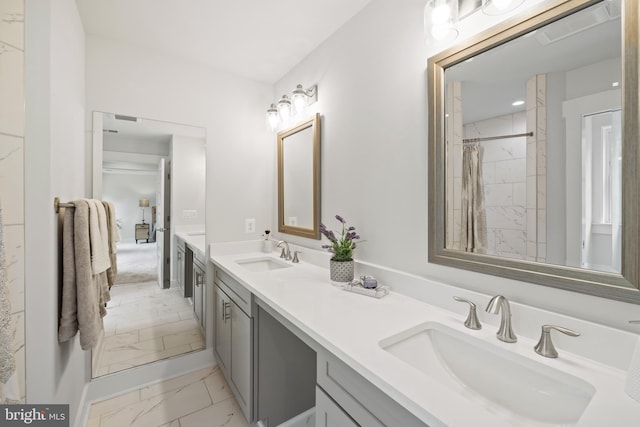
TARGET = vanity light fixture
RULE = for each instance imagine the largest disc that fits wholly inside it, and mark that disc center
(440, 19)
(498, 7)
(441, 16)
(281, 113)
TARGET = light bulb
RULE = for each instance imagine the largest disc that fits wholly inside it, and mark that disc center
(272, 118)
(441, 14)
(501, 4)
(440, 32)
(284, 108)
(299, 99)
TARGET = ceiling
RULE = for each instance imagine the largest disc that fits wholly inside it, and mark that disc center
(134, 145)
(259, 40)
(492, 80)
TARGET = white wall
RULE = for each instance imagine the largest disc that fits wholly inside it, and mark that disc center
(54, 166)
(12, 183)
(188, 177)
(126, 80)
(125, 191)
(372, 97)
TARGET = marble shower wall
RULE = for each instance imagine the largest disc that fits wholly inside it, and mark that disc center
(504, 167)
(454, 132)
(12, 120)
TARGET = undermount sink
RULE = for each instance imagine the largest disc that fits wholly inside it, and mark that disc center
(524, 391)
(262, 264)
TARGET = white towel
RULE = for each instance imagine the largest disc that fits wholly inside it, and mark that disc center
(83, 294)
(632, 385)
(99, 237)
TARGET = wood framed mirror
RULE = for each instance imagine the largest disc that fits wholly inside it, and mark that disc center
(299, 179)
(533, 150)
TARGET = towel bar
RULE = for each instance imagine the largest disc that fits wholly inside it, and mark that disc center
(57, 204)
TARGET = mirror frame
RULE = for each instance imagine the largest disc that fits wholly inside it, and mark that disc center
(621, 287)
(312, 233)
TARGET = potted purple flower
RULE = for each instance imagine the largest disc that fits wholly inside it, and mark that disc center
(342, 246)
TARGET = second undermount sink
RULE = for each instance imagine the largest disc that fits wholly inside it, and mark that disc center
(506, 383)
(262, 264)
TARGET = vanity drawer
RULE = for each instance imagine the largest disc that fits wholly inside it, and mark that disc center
(363, 401)
(238, 293)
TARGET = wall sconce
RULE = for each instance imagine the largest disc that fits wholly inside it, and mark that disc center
(441, 16)
(281, 113)
(143, 203)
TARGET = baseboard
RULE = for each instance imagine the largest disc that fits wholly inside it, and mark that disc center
(83, 408)
(131, 379)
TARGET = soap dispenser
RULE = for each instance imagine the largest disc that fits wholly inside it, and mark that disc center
(267, 243)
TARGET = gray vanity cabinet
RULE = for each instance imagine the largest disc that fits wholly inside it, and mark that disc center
(198, 278)
(233, 340)
(180, 257)
(222, 335)
(360, 401)
(222, 338)
(329, 414)
(180, 264)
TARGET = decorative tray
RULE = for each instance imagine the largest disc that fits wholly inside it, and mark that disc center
(356, 286)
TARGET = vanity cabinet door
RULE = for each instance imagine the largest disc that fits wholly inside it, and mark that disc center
(328, 414)
(222, 337)
(180, 266)
(198, 293)
(241, 355)
(362, 401)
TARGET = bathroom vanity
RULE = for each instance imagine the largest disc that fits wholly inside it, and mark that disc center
(190, 270)
(399, 360)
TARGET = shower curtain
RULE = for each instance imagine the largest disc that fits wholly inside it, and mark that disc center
(473, 236)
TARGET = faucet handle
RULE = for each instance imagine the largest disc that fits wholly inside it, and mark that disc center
(295, 257)
(545, 346)
(283, 253)
(472, 321)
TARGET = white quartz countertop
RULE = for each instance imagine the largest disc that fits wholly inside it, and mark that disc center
(195, 239)
(351, 326)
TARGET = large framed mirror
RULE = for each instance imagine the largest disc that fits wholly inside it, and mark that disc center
(148, 318)
(533, 150)
(299, 179)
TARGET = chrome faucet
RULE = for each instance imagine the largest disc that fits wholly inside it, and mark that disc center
(545, 346)
(501, 304)
(286, 254)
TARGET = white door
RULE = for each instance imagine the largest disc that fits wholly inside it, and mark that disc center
(163, 224)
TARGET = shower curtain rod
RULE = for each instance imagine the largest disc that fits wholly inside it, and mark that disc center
(491, 138)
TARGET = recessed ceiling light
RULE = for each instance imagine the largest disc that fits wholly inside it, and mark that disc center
(518, 103)
(615, 84)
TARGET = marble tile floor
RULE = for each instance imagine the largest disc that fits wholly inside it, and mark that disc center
(197, 399)
(144, 324)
